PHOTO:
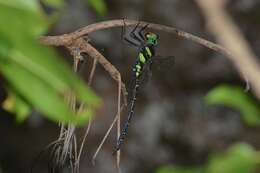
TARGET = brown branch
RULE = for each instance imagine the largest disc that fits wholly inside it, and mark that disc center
(67, 39)
(85, 47)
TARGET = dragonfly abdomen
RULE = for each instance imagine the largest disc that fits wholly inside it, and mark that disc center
(130, 115)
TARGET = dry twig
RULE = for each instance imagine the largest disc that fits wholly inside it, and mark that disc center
(67, 39)
(227, 33)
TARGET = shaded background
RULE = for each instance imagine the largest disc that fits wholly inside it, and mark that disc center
(171, 125)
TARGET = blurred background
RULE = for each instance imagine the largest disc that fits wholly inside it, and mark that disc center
(191, 116)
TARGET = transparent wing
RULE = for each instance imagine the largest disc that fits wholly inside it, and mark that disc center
(158, 65)
(163, 63)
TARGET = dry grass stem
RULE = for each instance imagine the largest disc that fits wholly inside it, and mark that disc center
(228, 34)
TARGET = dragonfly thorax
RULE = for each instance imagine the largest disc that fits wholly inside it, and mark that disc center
(145, 54)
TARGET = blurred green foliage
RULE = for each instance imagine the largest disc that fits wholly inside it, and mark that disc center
(17, 105)
(179, 169)
(235, 97)
(99, 6)
(35, 75)
(240, 158)
(54, 3)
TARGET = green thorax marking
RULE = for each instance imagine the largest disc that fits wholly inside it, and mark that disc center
(142, 58)
(148, 51)
(145, 54)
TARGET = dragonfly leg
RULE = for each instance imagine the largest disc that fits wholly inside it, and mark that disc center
(124, 37)
(134, 35)
(140, 32)
(131, 42)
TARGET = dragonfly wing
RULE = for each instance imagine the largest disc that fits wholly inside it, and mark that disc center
(146, 73)
(163, 63)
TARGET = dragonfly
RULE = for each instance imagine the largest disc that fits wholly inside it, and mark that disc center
(146, 43)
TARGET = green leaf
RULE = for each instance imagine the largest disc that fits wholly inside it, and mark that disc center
(42, 96)
(15, 104)
(240, 158)
(179, 169)
(55, 3)
(99, 6)
(49, 80)
(35, 71)
(5, 46)
(21, 23)
(28, 5)
(236, 98)
(52, 70)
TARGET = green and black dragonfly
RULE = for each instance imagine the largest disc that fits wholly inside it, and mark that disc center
(146, 44)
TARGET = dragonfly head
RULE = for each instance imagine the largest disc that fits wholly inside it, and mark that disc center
(152, 38)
